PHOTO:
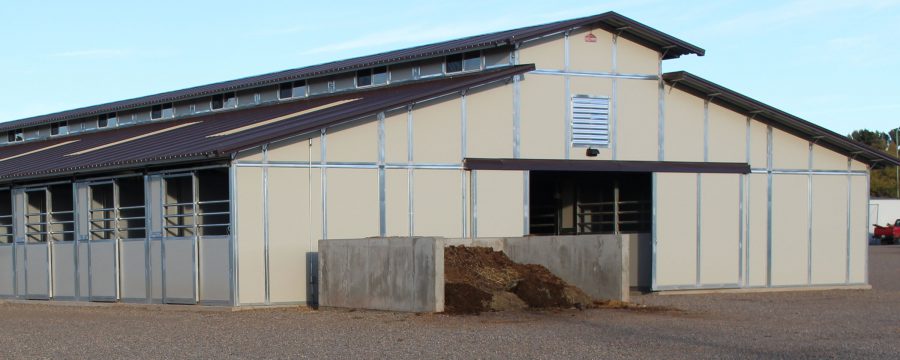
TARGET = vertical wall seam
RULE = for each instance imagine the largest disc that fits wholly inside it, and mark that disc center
(661, 138)
(462, 179)
(769, 201)
(382, 196)
(324, 182)
(517, 115)
(526, 198)
(265, 174)
(653, 230)
(474, 180)
(699, 213)
(614, 113)
(568, 96)
(706, 129)
(747, 178)
(809, 213)
(849, 217)
(409, 171)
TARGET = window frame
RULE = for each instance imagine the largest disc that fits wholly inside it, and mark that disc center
(292, 86)
(462, 62)
(59, 126)
(162, 110)
(371, 74)
(106, 118)
(224, 98)
(18, 135)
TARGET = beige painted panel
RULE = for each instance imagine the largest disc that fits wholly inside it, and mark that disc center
(547, 53)
(542, 117)
(859, 231)
(637, 127)
(676, 229)
(596, 87)
(720, 228)
(395, 137)
(254, 154)
(858, 165)
(290, 150)
(500, 203)
(825, 159)
(758, 144)
(789, 230)
(490, 122)
(353, 142)
(636, 59)
(727, 135)
(289, 233)
(683, 126)
(757, 222)
(179, 277)
(215, 282)
(352, 203)
(396, 193)
(103, 269)
(63, 269)
(437, 203)
(437, 129)
(7, 271)
(251, 256)
(789, 151)
(590, 56)
(133, 279)
(829, 226)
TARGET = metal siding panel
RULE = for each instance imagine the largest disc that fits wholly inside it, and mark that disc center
(720, 229)
(251, 252)
(829, 229)
(290, 233)
(789, 230)
(676, 229)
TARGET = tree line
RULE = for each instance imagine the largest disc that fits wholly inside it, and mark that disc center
(883, 181)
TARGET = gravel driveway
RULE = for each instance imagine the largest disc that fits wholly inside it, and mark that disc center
(813, 324)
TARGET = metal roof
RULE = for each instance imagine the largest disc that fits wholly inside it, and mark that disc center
(218, 135)
(611, 21)
(777, 118)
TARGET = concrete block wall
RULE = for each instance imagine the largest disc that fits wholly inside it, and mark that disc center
(396, 274)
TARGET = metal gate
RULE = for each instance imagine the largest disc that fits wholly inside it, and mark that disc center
(37, 250)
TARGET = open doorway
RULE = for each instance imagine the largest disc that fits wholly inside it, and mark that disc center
(584, 202)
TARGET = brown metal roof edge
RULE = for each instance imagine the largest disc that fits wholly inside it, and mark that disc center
(286, 129)
(611, 21)
(605, 166)
(93, 171)
(780, 119)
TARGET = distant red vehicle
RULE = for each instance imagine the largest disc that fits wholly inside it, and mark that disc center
(888, 233)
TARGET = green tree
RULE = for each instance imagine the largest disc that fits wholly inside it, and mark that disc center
(883, 180)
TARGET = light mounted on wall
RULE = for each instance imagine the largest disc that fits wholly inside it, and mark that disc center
(591, 152)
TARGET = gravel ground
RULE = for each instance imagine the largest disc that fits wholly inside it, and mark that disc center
(813, 324)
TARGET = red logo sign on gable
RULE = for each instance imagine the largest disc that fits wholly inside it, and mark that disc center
(590, 38)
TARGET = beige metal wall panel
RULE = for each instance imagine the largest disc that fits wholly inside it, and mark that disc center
(179, 277)
(396, 193)
(859, 229)
(546, 53)
(720, 227)
(289, 236)
(727, 135)
(249, 218)
(758, 144)
(637, 127)
(352, 203)
(490, 121)
(353, 142)
(590, 56)
(789, 151)
(683, 126)
(155, 271)
(133, 277)
(757, 223)
(395, 137)
(829, 229)
(437, 131)
(7, 271)
(64, 269)
(858, 165)
(789, 230)
(825, 159)
(83, 270)
(499, 203)
(437, 203)
(314, 232)
(104, 282)
(636, 59)
(542, 112)
(676, 229)
(215, 279)
(254, 154)
(297, 149)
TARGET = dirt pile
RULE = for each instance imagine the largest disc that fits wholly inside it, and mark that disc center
(479, 279)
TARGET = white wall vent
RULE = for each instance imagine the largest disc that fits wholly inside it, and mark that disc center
(590, 121)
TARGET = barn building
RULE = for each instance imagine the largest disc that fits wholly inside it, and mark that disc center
(218, 194)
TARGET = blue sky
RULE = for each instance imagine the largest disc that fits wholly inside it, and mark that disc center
(831, 62)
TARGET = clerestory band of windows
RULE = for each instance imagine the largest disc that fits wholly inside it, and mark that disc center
(223, 101)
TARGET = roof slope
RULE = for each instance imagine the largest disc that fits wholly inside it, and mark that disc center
(611, 21)
(731, 99)
(217, 135)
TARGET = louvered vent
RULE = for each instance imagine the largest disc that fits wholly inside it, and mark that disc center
(590, 121)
